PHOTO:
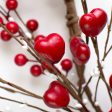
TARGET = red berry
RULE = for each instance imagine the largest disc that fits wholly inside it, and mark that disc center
(110, 81)
(36, 70)
(93, 23)
(1, 20)
(21, 59)
(11, 4)
(66, 64)
(32, 25)
(39, 37)
(52, 47)
(5, 36)
(74, 42)
(12, 27)
(57, 96)
(80, 51)
(81, 54)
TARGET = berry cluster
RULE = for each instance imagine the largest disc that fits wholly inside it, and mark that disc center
(52, 49)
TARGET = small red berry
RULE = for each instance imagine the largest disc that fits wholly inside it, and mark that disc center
(39, 37)
(5, 36)
(11, 4)
(21, 59)
(110, 81)
(32, 25)
(66, 64)
(12, 27)
(80, 51)
(1, 20)
(82, 54)
(36, 70)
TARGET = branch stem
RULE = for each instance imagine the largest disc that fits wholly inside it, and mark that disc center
(19, 102)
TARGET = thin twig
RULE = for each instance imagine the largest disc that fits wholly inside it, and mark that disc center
(20, 17)
(95, 44)
(13, 91)
(3, 9)
(87, 84)
(108, 35)
(84, 5)
(96, 90)
(106, 54)
(19, 88)
(19, 102)
(2, 13)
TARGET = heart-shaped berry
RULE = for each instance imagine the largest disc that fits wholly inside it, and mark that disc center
(80, 51)
(57, 96)
(51, 48)
(93, 23)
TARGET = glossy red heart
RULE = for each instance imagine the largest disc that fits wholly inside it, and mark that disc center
(93, 23)
(52, 47)
(57, 96)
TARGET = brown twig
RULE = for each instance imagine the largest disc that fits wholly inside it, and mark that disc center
(19, 88)
(20, 17)
(96, 90)
(84, 5)
(66, 82)
(19, 102)
(3, 9)
(107, 39)
(95, 44)
(13, 91)
(86, 84)
(106, 54)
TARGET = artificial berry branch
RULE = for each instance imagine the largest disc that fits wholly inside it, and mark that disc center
(55, 70)
(42, 54)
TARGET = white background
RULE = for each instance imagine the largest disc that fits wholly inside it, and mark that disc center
(51, 17)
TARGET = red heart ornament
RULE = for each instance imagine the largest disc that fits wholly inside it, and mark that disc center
(51, 48)
(93, 23)
(56, 96)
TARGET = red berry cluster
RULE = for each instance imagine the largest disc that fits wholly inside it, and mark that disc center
(52, 49)
(12, 26)
(21, 60)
